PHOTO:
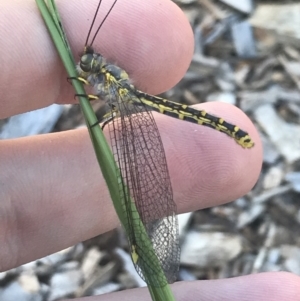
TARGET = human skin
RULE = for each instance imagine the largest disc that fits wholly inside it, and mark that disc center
(52, 194)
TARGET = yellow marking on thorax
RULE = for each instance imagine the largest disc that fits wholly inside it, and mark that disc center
(123, 92)
(109, 78)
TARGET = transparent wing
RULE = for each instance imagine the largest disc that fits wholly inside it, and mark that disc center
(139, 151)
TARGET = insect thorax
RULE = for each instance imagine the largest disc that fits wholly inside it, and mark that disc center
(106, 78)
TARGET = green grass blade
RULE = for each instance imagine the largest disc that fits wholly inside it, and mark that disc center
(104, 155)
(99, 142)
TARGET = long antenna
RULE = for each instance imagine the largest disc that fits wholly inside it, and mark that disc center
(91, 27)
(94, 19)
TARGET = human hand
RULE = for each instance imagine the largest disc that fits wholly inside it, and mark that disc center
(52, 192)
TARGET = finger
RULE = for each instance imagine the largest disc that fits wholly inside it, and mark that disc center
(260, 287)
(53, 194)
(207, 167)
(151, 39)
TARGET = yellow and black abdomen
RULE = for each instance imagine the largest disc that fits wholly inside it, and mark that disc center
(184, 112)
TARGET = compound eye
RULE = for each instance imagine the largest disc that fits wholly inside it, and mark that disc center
(86, 62)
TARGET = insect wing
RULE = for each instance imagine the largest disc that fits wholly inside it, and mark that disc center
(139, 151)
